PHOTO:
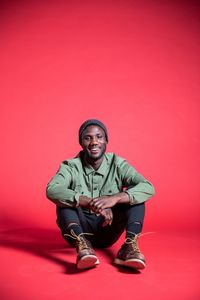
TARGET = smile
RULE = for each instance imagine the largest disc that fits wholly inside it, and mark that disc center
(94, 150)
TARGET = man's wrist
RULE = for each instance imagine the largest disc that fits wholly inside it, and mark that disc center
(84, 201)
(122, 198)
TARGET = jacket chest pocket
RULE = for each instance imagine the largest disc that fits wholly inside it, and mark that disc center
(78, 188)
(82, 189)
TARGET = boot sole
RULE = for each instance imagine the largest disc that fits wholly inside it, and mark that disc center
(87, 262)
(131, 263)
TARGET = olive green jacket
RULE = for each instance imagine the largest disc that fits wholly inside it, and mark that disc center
(113, 176)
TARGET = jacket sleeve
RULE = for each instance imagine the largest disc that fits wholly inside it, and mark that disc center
(136, 186)
(58, 189)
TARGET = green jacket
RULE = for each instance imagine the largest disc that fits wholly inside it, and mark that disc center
(113, 176)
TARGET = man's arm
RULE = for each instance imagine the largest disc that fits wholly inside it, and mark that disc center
(100, 203)
(58, 190)
(84, 201)
(59, 193)
(137, 190)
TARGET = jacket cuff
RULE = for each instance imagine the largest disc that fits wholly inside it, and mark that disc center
(132, 200)
(76, 199)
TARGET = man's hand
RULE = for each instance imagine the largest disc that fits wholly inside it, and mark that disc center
(107, 213)
(101, 203)
(108, 216)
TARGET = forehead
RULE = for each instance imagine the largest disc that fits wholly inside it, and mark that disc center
(92, 130)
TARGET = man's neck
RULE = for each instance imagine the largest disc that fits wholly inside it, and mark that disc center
(94, 164)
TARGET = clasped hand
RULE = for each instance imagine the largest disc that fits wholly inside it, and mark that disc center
(102, 205)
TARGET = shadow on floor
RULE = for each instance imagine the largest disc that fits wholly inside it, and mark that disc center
(41, 242)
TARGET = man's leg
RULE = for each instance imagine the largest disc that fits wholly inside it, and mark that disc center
(129, 218)
(135, 219)
(104, 237)
(129, 254)
(73, 225)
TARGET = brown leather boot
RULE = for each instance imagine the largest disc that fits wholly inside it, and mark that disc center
(129, 254)
(86, 256)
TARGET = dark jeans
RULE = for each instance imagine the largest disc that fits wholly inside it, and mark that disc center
(123, 218)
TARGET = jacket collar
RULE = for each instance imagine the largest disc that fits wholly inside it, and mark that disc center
(102, 169)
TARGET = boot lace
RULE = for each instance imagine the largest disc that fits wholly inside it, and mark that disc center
(82, 243)
(133, 241)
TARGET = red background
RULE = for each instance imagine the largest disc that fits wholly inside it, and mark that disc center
(132, 64)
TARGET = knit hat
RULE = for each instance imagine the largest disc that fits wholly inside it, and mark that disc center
(92, 122)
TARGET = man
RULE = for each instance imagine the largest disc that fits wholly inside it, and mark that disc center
(99, 195)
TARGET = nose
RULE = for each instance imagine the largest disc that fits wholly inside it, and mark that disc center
(94, 141)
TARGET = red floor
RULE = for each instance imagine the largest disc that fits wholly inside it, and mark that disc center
(37, 264)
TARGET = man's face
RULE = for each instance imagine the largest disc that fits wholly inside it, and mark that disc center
(93, 142)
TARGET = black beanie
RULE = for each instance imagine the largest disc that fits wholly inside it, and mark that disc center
(92, 122)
